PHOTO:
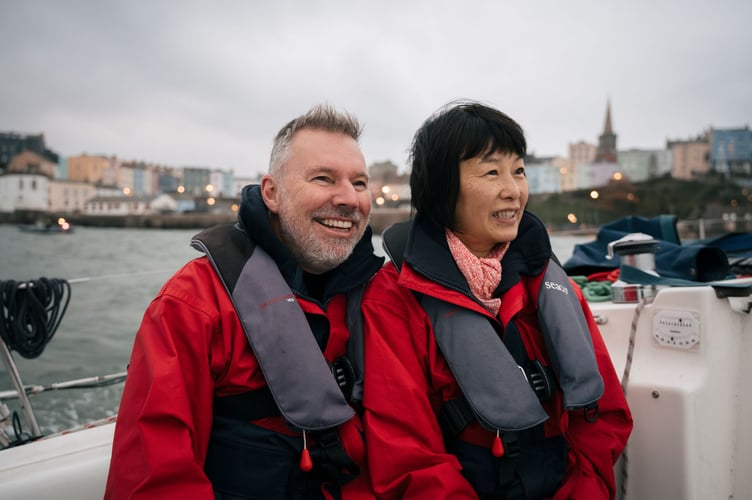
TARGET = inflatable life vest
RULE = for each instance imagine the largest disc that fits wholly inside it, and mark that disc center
(503, 391)
(311, 397)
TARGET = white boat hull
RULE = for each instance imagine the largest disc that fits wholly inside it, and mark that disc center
(66, 465)
(691, 403)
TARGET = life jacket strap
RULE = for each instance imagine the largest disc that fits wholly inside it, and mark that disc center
(251, 405)
(331, 461)
(509, 479)
(456, 414)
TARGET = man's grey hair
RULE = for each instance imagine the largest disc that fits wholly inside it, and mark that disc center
(321, 117)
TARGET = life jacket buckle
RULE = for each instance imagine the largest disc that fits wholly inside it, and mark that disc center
(511, 444)
(344, 374)
(540, 379)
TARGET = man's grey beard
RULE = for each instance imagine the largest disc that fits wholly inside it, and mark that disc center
(315, 255)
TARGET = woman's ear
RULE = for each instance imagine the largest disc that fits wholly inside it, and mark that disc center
(270, 193)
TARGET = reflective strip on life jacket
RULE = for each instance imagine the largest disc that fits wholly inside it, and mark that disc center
(293, 365)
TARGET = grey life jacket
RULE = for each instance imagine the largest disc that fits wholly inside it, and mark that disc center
(497, 389)
(297, 374)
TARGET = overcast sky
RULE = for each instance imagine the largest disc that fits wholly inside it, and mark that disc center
(208, 83)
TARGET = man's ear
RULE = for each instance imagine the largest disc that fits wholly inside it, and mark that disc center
(270, 193)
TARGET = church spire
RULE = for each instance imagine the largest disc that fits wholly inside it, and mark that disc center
(607, 129)
(607, 141)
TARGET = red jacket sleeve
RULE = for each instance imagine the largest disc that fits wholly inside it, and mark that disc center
(165, 415)
(595, 447)
(406, 452)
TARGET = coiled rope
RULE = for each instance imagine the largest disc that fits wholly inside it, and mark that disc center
(31, 312)
(594, 291)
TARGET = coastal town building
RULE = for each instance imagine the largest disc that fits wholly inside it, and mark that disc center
(12, 144)
(24, 192)
(69, 197)
(130, 205)
(32, 177)
(567, 178)
(690, 157)
(543, 175)
(238, 183)
(94, 169)
(639, 165)
(731, 153)
(581, 153)
(29, 162)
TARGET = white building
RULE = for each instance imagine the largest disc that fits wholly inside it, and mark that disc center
(643, 164)
(70, 196)
(24, 192)
(130, 205)
(240, 182)
(544, 176)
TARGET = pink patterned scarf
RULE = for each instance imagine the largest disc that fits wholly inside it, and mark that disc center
(483, 274)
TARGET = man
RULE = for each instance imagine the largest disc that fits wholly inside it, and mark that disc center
(229, 391)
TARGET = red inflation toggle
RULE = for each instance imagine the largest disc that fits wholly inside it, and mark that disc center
(306, 464)
(498, 447)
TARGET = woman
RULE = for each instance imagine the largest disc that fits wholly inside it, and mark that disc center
(486, 376)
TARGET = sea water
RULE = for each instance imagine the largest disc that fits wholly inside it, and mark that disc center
(114, 274)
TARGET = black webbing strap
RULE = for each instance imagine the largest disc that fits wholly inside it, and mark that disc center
(454, 416)
(251, 405)
(330, 459)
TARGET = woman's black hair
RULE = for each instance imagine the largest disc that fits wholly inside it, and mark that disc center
(457, 132)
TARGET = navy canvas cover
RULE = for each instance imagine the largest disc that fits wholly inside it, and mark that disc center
(698, 261)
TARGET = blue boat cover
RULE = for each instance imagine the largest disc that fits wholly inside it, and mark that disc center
(698, 261)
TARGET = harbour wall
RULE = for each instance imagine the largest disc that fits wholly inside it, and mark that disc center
(381, 218)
